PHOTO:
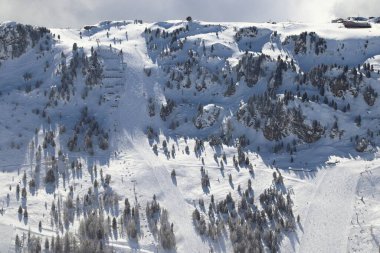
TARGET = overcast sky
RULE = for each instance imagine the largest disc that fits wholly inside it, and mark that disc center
(76, 13)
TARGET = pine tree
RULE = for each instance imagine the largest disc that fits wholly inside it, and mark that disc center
(66, 248)
(114, 223)
(18, 190)
(17, 242)
(46, 244)
(25, 213)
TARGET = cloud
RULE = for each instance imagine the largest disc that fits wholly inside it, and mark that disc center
(76, 13)
(346, 8)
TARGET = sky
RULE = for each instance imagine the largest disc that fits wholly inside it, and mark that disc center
(77, 13)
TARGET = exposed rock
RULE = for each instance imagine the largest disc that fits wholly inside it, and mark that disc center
(361, 145)
(207, 116)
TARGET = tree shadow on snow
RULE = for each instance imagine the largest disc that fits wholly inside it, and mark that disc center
(312, 157)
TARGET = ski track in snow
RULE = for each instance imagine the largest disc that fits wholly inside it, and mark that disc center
(330, 210)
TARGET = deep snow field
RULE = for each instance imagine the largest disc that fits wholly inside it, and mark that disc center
(335, 189)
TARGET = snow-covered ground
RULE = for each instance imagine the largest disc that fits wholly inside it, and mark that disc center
(336, 190)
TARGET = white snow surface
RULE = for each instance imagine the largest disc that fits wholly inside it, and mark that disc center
(327, 196)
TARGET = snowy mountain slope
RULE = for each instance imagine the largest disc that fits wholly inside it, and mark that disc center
(364, 235)
(190, 112)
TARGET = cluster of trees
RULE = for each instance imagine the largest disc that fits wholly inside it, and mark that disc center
(278, 120)
(68, 73)
(166, 235)
(199, 146)
(88, 127)
(95, 228)
(250, 67)
(166, 149)
(167, 109)
(368, 68)
(159, 39)
(347, 82)
(94, 70)
(153, 212)
(276, 116)
(150, 133)
(242, 158)
(205, 179)
(369, 95)
(16, 39)
(158, 219)
(49, 139)
(131, 219)
(250, 228)
(90, 67)
(213, 229)
(300, 43)
(90, 238)
(168, 45)
(246, 32)
(151, 107)
(290, 147)
(319, 43)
